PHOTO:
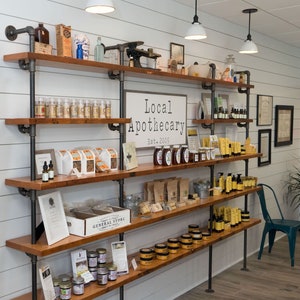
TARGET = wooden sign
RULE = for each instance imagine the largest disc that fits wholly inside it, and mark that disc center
(156, 119)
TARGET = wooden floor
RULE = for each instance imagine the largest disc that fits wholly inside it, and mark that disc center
(272, 277)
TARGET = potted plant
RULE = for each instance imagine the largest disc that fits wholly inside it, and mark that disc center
(293, 186)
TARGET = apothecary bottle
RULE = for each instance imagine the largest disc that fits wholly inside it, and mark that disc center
(99, 50)
(41, 34)
(40, 109)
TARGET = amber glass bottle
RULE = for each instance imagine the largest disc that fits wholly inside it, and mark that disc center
(41, 34)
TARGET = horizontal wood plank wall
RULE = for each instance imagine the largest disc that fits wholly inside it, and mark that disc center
(274, 71)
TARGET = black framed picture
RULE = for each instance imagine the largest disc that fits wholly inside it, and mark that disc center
(264, 147)
(264, 112)
(177, 53)
(284, 119)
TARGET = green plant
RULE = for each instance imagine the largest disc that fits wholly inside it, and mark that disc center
(293, 186)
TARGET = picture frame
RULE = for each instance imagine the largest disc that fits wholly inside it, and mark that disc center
(177, 53)
(54, 218)
(264, 111)
(40, 157)
(284, 119)
(264, 147)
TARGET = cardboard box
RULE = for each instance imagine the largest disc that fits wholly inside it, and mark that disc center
(42, 48)
(63, 40)
(102, 222)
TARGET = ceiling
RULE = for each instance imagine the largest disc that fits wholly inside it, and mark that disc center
(279, 19)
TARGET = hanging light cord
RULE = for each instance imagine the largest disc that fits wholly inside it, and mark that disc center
(196, 19)
(249, 35)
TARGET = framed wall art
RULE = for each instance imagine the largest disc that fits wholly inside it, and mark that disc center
(40, 157)
(264, 147)
(177, 53)
(284, 119)
(264, 112)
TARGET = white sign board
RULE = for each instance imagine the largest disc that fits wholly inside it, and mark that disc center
(156, 119)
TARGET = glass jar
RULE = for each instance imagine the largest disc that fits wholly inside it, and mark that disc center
(66, 104)
(230, 68)
(184, 154)
(40, 108)
(87, 109)
(101, 255)
(157, 156)
(112, 272)
(166, 156)
(176, 155)
(65, 290)
(59, 108)
(78, 286)
(92, 257)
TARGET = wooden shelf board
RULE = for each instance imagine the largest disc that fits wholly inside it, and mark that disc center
(95, 290)
(222, 121)
(36, 121)
(61, 181)
(93, 66)
(41, 248)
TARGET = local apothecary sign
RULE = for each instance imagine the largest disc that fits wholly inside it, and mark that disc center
(156, 119)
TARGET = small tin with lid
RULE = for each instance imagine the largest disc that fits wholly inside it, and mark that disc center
(146, 256)
(161, 248)
(78, 285)
(196, 236)
(206, 235)
(192, 227)
(173, 245)
(186, 241)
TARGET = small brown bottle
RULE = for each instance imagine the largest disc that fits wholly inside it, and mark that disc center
(41, 34)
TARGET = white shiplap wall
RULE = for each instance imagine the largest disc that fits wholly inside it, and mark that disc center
(274, 71)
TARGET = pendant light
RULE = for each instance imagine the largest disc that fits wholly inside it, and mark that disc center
(196, 31)
(99, 6)
(249, 46)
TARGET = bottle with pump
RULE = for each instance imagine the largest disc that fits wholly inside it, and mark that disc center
(51, 170)
(41, 34)
(99, 50)
(239, 183)
(45, 174)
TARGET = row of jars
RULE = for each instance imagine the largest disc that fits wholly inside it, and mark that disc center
(186, 241)
(167, 155)
(72, 108)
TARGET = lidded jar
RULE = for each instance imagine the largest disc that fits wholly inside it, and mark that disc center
(230, 68)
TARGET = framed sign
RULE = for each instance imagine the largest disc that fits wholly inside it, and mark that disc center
(177, 53)
(264, 111)
(284, 117)
(40, 157)
(264, 147)
(156, 119)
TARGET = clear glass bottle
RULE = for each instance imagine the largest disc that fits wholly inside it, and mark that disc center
(80, 108)
(107, 109)
(67, 114)
(102, 110)
(99, 50)
(52, 108)
(87, 109)
(59, 108)
(230, 68)
(95, 110)
(74, 109)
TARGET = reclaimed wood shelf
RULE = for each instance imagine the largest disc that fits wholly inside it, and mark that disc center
(38, 121)
(94, 290)
(54, 61)
(41, 248)
(61, 181)
(222, 121)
